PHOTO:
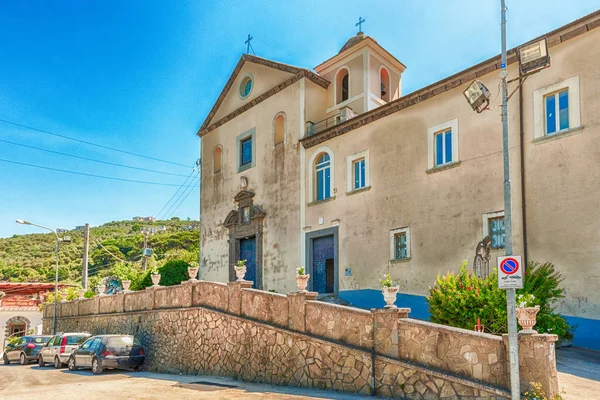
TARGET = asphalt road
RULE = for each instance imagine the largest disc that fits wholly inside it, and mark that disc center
(578, 373)
(32, 382)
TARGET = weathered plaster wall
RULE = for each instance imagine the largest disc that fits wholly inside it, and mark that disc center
(274, 179)
(444, 209)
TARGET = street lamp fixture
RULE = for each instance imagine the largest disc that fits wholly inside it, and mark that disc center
(478, 96)
(23, 222)
(533, 56)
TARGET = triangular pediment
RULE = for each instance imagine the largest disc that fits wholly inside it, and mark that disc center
(265, 74)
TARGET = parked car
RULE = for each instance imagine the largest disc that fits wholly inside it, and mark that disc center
(108, 351)
(58, 350)
(26, 349)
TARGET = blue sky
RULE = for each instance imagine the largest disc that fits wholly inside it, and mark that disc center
(141, 76)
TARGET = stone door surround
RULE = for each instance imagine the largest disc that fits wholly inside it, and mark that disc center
(245, 222)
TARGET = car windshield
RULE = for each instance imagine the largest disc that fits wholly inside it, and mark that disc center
(76, 339)
(43, 339)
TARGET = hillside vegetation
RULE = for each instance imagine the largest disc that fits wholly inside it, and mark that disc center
(31, 258)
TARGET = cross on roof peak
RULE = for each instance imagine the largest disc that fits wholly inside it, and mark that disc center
(361, 20)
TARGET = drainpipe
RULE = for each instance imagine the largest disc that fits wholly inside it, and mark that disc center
(522, 149)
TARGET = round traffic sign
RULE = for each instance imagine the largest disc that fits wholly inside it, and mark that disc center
(509, 266)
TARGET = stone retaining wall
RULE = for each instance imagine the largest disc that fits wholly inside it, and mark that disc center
(462, 354)
(227, 345)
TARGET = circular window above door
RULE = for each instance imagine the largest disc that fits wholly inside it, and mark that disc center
(246, 86)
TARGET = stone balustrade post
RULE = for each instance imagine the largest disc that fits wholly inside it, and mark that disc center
(235, 295)
(385, 330)
(297, 309)
(537, 362)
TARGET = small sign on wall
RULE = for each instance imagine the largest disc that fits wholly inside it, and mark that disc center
(510, 272)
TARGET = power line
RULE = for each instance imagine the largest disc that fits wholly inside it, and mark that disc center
(88, 159)
(85, 174)
(181, 195)
(182, 200)
(90, 143)
(178, 189)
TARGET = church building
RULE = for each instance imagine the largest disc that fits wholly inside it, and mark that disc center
(337, 170)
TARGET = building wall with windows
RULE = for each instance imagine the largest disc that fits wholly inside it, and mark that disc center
(413, 187)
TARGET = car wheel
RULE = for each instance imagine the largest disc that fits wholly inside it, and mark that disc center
(41, 362)
(96, 367)
(23, 360)
(72, 365)
(57, 363)
(5, 359)
(138, 368)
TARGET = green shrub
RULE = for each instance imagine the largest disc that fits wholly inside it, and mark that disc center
(171, 273)
(460, 299)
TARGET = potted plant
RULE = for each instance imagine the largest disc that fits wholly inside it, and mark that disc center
(100, 289)
(240, 270)
(80, 292)
(193, 270)
(389, 291)
(526, 312)
(155, 276)
(302, 279)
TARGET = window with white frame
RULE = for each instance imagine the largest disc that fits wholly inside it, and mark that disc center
(443, 144)
(556, 108)
(493, 226)
(400, 244)
(358, 171)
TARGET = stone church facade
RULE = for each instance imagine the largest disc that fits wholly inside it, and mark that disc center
(337, 170)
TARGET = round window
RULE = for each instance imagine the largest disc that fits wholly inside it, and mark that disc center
(246, 86)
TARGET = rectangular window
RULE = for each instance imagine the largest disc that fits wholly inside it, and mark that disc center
(246, 151)
(401, 246)
(496, 232)
(557, 111)
(443, 147)
(359, 174)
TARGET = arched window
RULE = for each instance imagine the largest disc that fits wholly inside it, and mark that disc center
(217, 156)
(342, 85)
(323, 176)
(384, 80)
(279, 129)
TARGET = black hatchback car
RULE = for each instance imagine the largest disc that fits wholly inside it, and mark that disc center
(26, 349)
(108, 351)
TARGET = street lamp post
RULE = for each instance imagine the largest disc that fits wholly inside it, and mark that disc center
(22, 222)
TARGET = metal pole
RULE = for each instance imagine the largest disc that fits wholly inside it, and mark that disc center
(86, 249)
(55, 287)
(511, 302)
(199, 163)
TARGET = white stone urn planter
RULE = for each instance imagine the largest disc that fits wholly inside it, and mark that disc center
(240, 272)
(155, 279)
(302, 282)
(100, 289)
(527, 317)
(126, 283)
(193, 273)
(389, 295)
(81, 293)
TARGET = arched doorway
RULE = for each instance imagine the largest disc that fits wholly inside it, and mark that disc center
(17, 326)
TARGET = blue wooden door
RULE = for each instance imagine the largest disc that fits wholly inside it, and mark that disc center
(323, 264)
(248, 253)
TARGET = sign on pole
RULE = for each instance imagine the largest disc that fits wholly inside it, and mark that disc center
(510, 272)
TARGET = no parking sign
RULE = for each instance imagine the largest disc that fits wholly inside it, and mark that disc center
(510, 272)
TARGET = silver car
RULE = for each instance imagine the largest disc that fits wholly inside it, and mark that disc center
(58, 350)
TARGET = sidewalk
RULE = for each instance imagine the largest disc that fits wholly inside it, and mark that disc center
(578, 373)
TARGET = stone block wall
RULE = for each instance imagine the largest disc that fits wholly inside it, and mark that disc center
(265, 306)
(345, 324)
(467, 353)
(211, 294)
(476, 360)
(228, 345)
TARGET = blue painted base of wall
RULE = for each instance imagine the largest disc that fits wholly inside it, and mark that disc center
(587, 333)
